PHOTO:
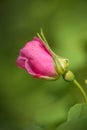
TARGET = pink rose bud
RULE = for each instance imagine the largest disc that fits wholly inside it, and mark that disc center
(36, 58)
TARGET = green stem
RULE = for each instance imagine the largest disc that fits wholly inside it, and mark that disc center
(81, 89)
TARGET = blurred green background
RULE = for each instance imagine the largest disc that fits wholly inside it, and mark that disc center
(32, 104)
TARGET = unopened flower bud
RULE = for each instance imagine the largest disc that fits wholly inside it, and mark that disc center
(68, 76)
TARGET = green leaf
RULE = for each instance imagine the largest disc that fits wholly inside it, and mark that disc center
(78, 124)
(77, 118)
(77, 111)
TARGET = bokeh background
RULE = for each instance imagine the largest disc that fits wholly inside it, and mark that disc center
(34, 104)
